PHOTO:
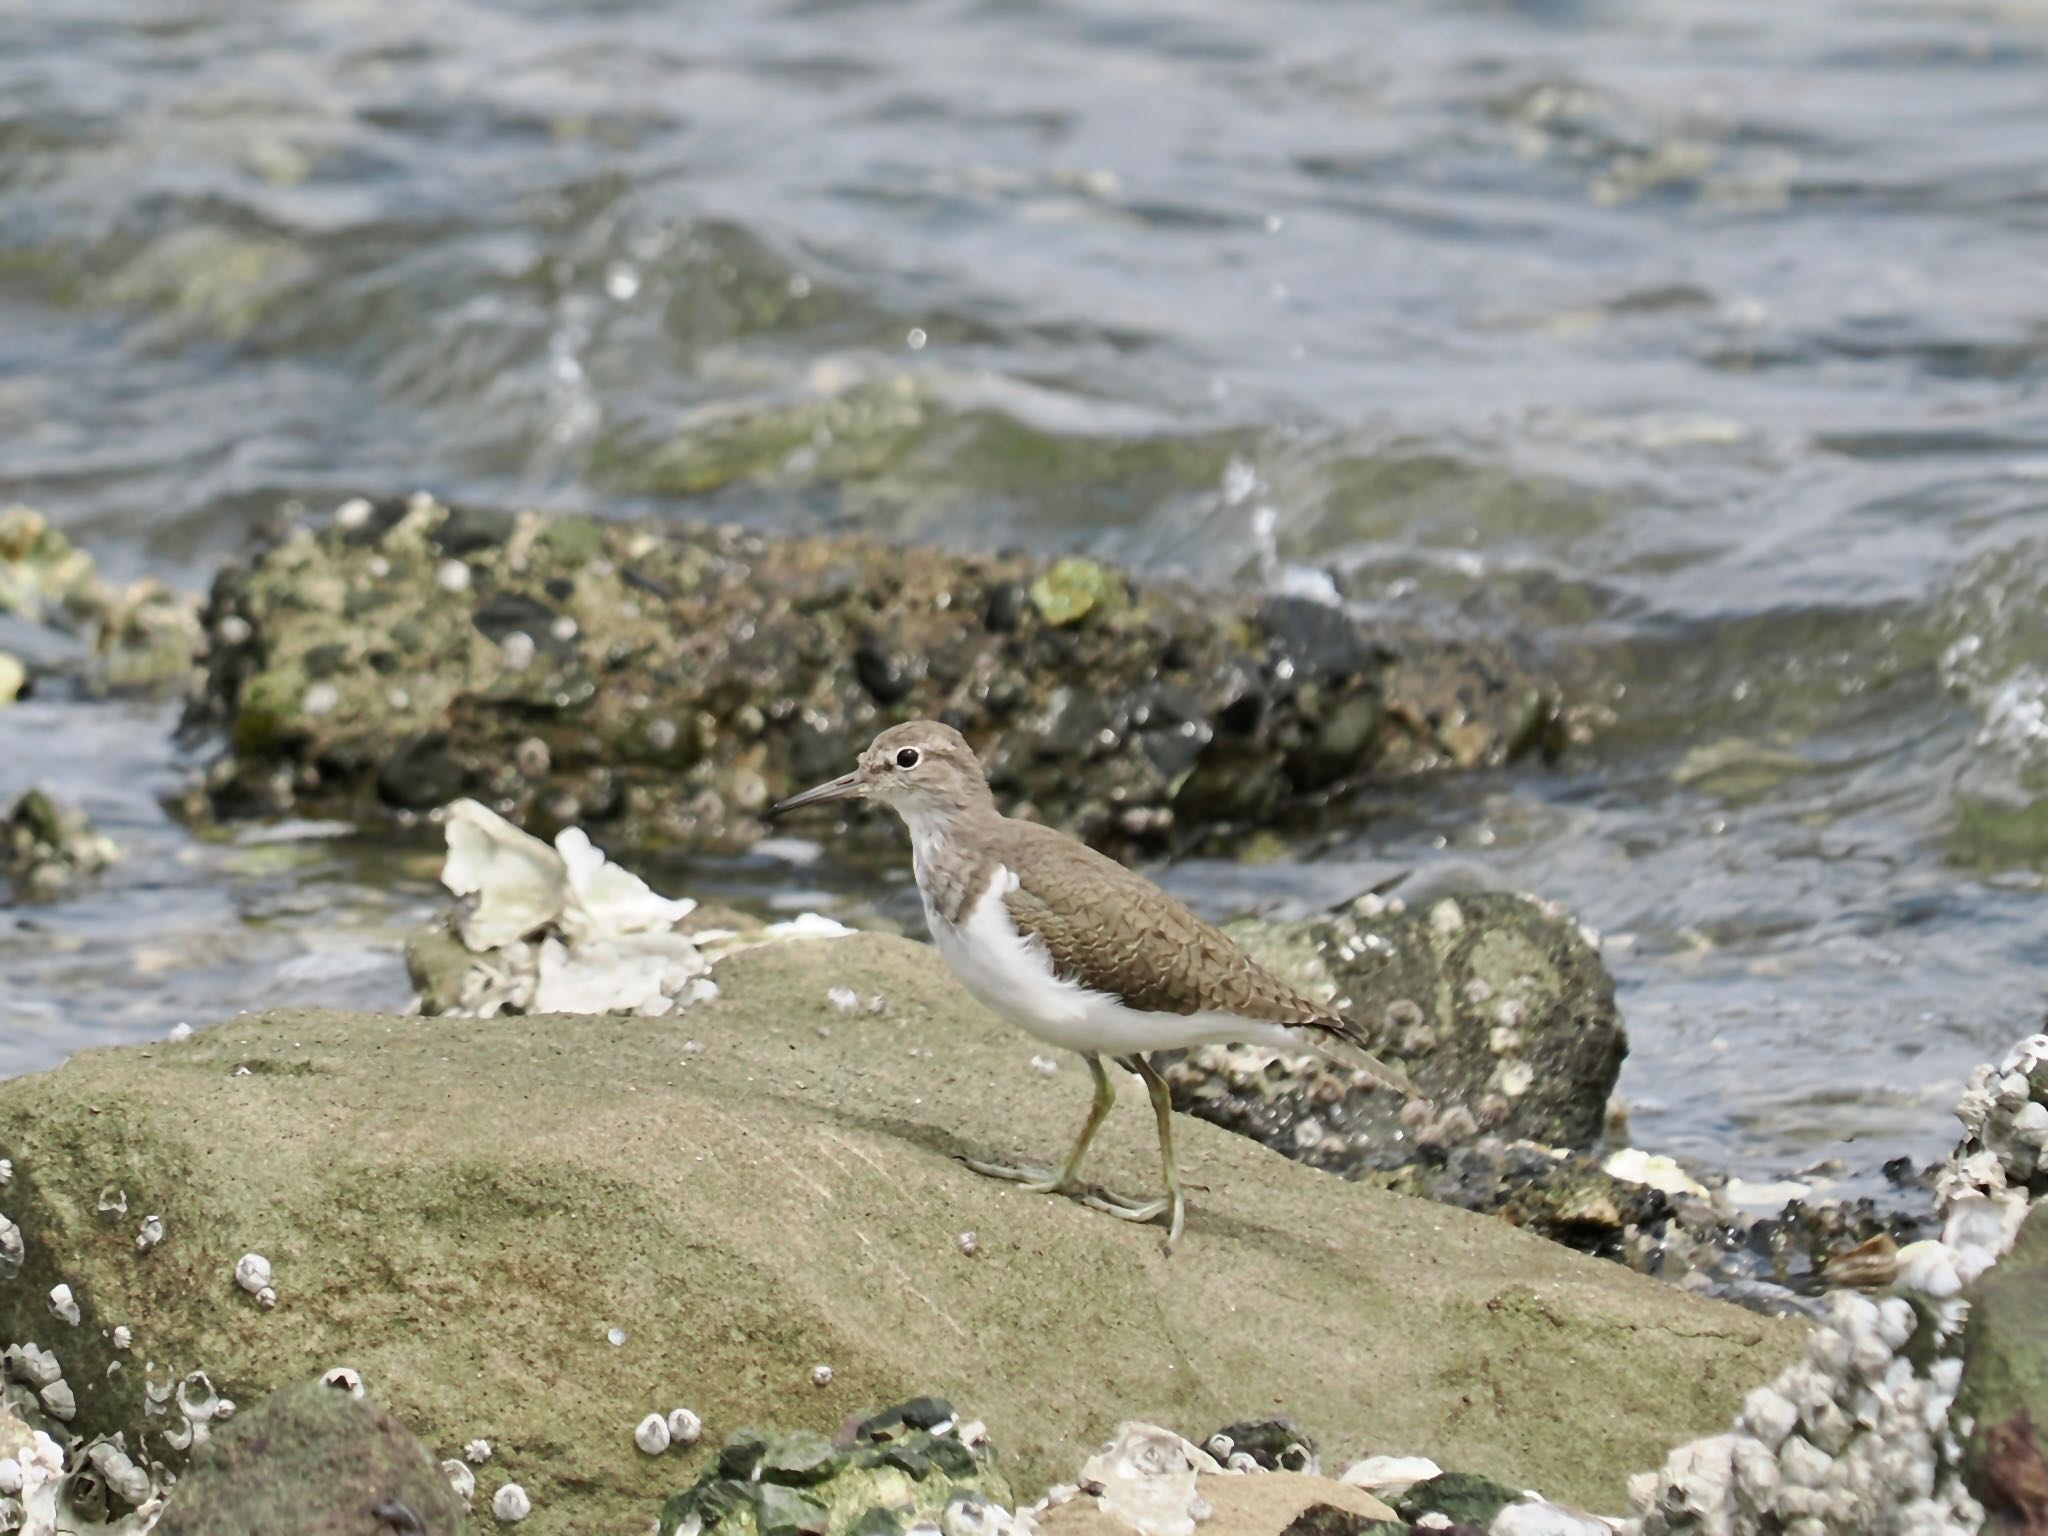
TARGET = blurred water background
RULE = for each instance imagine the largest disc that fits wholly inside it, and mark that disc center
(1701, 342)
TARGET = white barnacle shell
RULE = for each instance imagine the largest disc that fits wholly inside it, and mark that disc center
(510, 1505)
(821, 1375)
(460, 1478)
(10, 1476)
(150, 1235)
(197, 1400)
(6, 1171)
(37, 1367)
(842, 999)
(59, 1401)
(13, 1248)
(652, 1435)
(684, 1427)
(345, 1379)
(252, 1273)
(64, 1306)
(123, 1337)
(477, 1452)
(225, 1410)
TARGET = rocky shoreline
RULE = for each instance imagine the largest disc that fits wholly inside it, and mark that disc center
(714, 1168)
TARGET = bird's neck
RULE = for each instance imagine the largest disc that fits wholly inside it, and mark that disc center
(950, 854)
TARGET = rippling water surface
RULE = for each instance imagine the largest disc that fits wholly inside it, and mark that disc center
(1701, 343)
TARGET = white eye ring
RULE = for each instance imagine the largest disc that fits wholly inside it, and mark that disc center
(907, 758)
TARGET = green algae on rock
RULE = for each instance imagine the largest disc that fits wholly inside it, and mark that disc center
(463, 1212)
(312, 1461)
(896, 1467)
(45, 848)
(140, 639)
(667, 678)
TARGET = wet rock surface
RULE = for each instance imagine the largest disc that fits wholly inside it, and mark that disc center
(672, 679)
(310, 1460)
(47, 848)
(536, 1235)
(133, 639)
(1497, 1004)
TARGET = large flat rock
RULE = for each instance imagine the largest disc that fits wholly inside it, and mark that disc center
(461, 1212)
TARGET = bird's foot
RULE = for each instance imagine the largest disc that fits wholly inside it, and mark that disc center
(1172, 1206)
(1032, 1177)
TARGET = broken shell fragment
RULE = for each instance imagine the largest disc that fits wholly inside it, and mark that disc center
(511, 1505)
(652, 1435)
(344, 1379)
(197, 1399)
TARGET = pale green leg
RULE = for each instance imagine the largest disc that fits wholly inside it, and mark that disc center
(1174, 1205)
(1043, 1181)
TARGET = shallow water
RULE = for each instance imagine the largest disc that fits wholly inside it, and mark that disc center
(1701, 343)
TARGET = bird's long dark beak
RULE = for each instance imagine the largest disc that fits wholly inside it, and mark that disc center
(846, 787)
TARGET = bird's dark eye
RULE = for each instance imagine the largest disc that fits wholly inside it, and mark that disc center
(907, 758)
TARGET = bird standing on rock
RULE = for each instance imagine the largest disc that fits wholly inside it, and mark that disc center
(1076, 949)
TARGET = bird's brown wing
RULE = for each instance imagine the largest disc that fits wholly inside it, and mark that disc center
(1110, 930)
(1126, 937)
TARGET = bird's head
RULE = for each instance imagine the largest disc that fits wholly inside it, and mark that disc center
(918, 769)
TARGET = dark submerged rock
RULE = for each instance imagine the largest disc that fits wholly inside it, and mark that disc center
(680, 676)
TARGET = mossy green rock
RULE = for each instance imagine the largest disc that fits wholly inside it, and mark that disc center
(2004, 1391)
(311, 1461)
(671, 680)
(896, 1469)
(461, 1211)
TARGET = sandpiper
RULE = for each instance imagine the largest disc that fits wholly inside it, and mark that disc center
(1078, 950)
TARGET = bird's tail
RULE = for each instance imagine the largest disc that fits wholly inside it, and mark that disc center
(1343, 1042)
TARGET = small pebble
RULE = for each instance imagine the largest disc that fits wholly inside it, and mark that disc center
(821, 1375)
(511, 1505)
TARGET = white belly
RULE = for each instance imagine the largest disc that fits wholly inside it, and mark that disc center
(1012, 977)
